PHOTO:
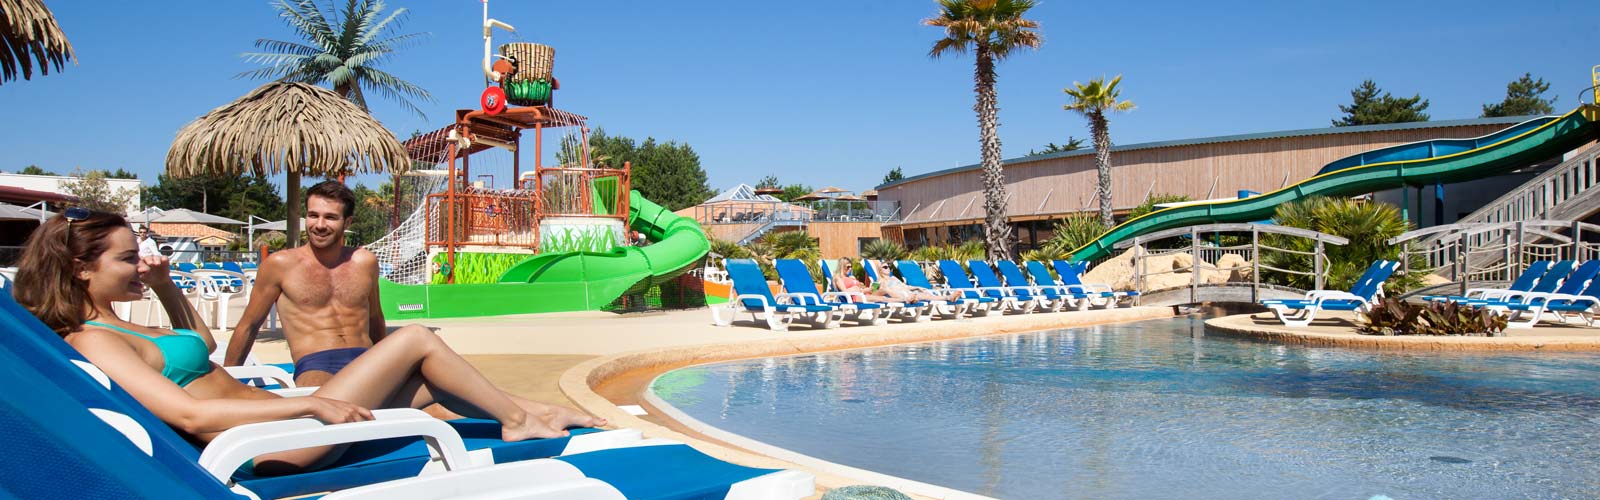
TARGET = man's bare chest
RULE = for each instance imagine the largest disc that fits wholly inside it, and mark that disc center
(323, 287)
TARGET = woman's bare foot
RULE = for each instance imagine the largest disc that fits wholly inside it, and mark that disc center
(532, 427)
(562, 418)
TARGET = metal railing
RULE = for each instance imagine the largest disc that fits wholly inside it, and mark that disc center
(1468, 254)
(781, 213)
(1204, 259)
(583, 192)
(497, 218)
(1541, 197)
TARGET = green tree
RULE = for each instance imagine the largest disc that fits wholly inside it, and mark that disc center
(1150, 203)
(231, 196)
(893, 176)
(121, 174)
(667, 173)
(371, 220)
(1523, 98)
(1369, 108)
(1368, 226)
(34, 170)
(342, 48)
(792, 191)
(1093, 101)
(992, 30)
(770, 181)
(95, 193)
(1073, 144)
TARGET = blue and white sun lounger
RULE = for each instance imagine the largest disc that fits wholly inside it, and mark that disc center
(1523, 283)
(1534, 302)
(1049, 294)
(1563, 278)
(1020, 298)
(909, 312)
(1527, 314)
(969, 303)
(73, 433)
(1072, 277)
(1359, 298)
(797, 284)
(751, 295)
(1078, 297)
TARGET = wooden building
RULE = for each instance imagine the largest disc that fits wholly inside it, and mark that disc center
(947, 205)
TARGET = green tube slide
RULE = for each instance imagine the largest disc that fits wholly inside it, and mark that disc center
(1428, 162)
(570, 281)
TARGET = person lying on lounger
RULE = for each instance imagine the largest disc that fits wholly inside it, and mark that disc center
(844, 282)
(899, 291)
(79, 262)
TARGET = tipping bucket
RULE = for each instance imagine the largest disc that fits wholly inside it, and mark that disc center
(531, 84)
(534, 61)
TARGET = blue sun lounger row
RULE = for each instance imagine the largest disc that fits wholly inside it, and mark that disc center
(962, 294)
(73, 433)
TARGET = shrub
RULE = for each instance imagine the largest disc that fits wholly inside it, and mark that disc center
(1368, 226)
(1397, 317)
(882, 249)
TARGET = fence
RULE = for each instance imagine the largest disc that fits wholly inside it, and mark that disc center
(1205, 259)
(1467, 253)
(498, 218)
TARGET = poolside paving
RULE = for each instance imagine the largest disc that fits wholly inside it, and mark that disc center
(599, 361)
(1338, 329)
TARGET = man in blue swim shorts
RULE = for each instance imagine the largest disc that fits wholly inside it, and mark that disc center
(326, 293)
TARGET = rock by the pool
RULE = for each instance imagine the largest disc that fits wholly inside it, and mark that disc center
(861, 492)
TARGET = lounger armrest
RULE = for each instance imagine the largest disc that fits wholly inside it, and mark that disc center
(235, 446)
(1098, 287)
(529, 479)
(1333, 295)
(760, 298)
(801, 297)
(1001, 289)
(268, 372)
(845, 296)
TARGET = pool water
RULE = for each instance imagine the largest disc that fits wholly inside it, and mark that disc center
(1160, 409)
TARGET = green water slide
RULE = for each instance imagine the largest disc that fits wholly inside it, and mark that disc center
(1422, 163)
(571, 281)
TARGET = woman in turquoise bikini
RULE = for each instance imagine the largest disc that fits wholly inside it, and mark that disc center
(77, 264)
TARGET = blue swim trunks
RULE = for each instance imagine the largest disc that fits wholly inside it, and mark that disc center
(330, 361)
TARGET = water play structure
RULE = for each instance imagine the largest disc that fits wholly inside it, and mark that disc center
(1420, 163)
(556, 238)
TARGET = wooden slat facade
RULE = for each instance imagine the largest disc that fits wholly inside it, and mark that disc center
(842, 239)
(1054, 187)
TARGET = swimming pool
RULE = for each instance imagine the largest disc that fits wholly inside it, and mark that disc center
(1159, 409)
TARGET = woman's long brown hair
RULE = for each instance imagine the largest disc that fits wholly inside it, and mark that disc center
(47, 283)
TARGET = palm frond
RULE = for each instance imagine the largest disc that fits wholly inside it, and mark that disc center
(29, 34)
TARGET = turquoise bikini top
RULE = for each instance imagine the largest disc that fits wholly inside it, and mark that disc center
(185, 355)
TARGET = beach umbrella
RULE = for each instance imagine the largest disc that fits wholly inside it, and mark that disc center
(28, 32)
(186, 216)
(287, 127)
(13, 212)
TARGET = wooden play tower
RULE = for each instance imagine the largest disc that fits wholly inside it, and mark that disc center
(463, 216)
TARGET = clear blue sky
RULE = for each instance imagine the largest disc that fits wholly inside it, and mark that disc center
(827, 92)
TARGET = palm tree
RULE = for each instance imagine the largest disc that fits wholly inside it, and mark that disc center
(342, 48)
(30, 35)
(1093, 101)
(992, 30)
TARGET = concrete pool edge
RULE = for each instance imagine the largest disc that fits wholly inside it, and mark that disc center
(579, 382)
(1264, 328)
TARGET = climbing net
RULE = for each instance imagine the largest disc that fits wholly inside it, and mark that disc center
(403, 253)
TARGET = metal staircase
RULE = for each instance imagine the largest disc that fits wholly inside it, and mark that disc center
(1565, 192)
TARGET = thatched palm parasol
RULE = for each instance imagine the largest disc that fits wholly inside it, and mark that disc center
(293, 127)
(29, 32)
